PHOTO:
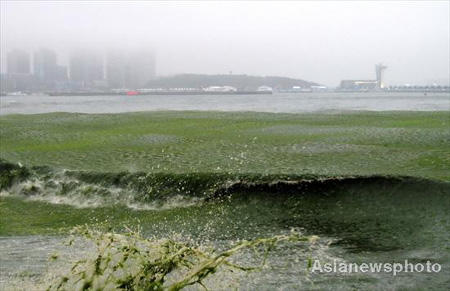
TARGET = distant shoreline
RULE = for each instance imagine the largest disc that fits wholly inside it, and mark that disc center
(133, 93)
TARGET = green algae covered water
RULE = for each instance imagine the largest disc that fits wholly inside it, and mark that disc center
(345, 188)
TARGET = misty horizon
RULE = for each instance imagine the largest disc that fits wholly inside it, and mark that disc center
(323, 42)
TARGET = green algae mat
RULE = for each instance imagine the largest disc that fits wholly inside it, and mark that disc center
(330, 144)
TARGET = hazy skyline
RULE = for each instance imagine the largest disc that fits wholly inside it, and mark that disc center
(322, 42)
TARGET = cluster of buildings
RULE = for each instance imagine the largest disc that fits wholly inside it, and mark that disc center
(378, 85)
(365, 85)
(86, 71)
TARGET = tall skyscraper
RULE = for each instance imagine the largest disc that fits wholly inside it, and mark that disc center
(142, 68)
(86, 67)
(117, 69)
(17, 77)
(18, 62)
(62, 73)
(45, 65)
(130, 69)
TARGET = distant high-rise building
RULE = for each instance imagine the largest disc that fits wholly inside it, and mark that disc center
(17, 77)
(18, 62)
(86, 67)
(45, 65)
(117, 69)
(62, 73)
(130, 69)
(142, 67)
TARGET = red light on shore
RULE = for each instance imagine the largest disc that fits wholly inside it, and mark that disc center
(132, 93)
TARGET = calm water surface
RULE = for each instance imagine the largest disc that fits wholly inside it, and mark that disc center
(288, 103)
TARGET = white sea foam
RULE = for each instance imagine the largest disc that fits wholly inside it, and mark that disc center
(61, 189)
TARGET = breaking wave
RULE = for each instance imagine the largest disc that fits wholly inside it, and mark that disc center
(374, 218)
(153, 191)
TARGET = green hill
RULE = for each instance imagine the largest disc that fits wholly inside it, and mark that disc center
(241, 82)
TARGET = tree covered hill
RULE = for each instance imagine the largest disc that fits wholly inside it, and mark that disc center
(241, 82)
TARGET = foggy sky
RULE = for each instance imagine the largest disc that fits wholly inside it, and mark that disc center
(323, 42)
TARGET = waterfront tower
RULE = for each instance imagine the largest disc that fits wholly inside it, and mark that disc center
(379, 73)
